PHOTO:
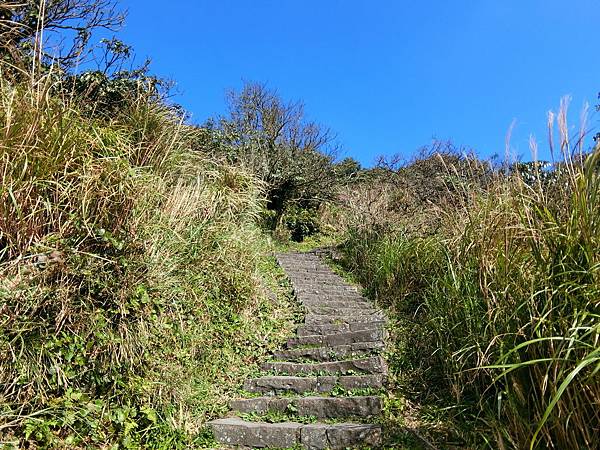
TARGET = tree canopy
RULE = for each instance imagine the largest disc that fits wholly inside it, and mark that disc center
(273, 139)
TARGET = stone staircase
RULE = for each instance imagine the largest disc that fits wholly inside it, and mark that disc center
(328, 377)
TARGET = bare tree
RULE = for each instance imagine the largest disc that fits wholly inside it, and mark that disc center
(53, 30)
(273, 139)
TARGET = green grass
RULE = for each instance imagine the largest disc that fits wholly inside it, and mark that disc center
(136, 291)
(495, 316)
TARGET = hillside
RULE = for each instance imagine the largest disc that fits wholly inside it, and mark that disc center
(139, 292)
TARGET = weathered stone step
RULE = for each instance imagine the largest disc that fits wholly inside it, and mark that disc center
(319, 407)
(374, 364)
(316, 288)
(349, 337)
(292, 267)
(321, 276)
(322, 319)
(333, 285)
(306, 271)
(237, 432)
(319, 293)
(341, 296)
(298, 258)
(348, 304)
(329, 298)
(343, 311)
(300, 385)
(311, 329)
(334, 353)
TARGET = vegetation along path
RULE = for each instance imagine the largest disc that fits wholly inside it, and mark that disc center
(321, 391)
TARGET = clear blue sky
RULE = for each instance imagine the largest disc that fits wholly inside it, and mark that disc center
(386, 75)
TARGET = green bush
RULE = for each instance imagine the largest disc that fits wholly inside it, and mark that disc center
(301, 222)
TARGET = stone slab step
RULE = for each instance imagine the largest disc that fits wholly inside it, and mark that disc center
(329, 277)
(278, 384)
(333, 288)
(322, 285)
(306, 271)
(298, 258)
(237, 432)
(319, 407)
(343, 296)
(343, 338)
(355, 305)
(301, 267)
(328, 294)
(311, 329)
(374, 364)
(316, 288)
(322, 319)
(340, 311)
(331, 353)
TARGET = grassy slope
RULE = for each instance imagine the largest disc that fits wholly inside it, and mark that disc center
(496, 312)
(135, 291)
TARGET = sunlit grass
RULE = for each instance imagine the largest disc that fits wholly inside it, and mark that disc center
(500, 307)
(133, 279)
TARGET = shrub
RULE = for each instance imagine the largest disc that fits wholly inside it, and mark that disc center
(301, 222)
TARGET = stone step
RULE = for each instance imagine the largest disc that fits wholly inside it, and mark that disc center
(343, 311)
(297, 268)
(347, 304)
(374, 364)
(329, 284)
(237, 432)
(289, 384)
(316, 288)
(319, 407)
(333, 353)
(292, 267)
(323, 319)
(339, 323)
(335, 288)
(344, 338)
(320, 276)
(306, 271)
(343, 296)
(311, 329)
(323, 291)
(319, 293)
(355, 305)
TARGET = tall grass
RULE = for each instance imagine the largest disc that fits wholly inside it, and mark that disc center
(131, 300)
(502, 305)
